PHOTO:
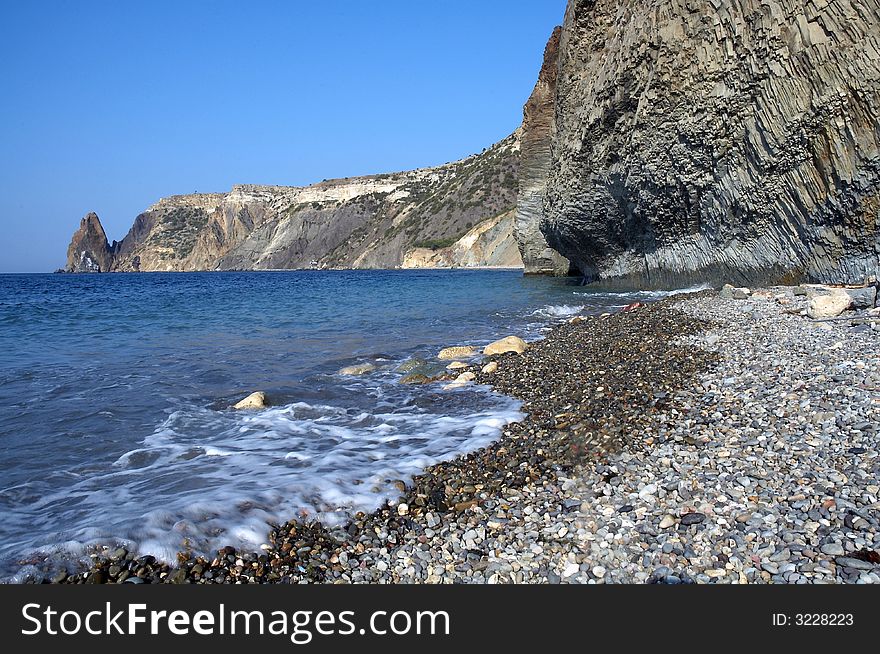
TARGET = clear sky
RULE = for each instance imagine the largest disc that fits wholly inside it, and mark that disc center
(108, 106)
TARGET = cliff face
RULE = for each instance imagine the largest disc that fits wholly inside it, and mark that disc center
(89, 250)
(731, 140)
(362, 222)
(491, 243)
(538, 129)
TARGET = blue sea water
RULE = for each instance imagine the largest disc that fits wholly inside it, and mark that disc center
(115, 426)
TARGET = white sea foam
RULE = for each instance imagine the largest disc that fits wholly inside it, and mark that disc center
(608, 298)
(553, 311)
(205, 479)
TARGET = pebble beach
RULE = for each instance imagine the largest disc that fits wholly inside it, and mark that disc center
(704, 438)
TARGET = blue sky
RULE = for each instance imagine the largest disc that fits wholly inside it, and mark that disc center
(108, 106)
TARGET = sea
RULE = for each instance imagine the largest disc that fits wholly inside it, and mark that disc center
(116, 427)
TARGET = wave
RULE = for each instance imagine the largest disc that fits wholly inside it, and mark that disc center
(553, 311)
(205, 479)
(623, 298)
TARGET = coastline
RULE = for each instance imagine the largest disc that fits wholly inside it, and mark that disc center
(61, 271)
(654, 450)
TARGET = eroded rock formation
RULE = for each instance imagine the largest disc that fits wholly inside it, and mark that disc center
(89, 250)
(732, 140)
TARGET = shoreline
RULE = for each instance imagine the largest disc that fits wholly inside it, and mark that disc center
(635, 463)
(273, 270)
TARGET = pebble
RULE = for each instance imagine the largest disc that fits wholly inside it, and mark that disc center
(832, 549)
(692, 519)
(857, 564)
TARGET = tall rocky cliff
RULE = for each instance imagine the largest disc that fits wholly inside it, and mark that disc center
(732, 140)
(538, 130)
(376, 221)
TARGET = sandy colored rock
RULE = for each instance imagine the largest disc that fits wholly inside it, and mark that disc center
(490, 367)
(667, 522)
(255, 400)
(462, 380)
(507, 344)
(828, 306)
(457, 352)
(490, 243)
(358, 369)
(456, 365)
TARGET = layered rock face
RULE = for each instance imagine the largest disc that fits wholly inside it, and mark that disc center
(538, 129)
(361, 222)
(89, 250)
(491, 243)
(727, 140)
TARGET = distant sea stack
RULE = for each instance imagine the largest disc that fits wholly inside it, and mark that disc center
(456, 214)
(716, 141)
(89, 250)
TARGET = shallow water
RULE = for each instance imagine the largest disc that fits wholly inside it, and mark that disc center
(115, 394)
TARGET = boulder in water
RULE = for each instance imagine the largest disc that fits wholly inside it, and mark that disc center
(457, 352)
(416, 378)
(460, 381)
(255, 400)
(358, 369)
(411, 365)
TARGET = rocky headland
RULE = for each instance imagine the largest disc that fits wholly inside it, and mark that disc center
(456, 211)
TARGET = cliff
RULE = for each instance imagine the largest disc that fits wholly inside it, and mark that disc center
(728, 140)
(538, 130)
(359, 222)
(491, 243)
